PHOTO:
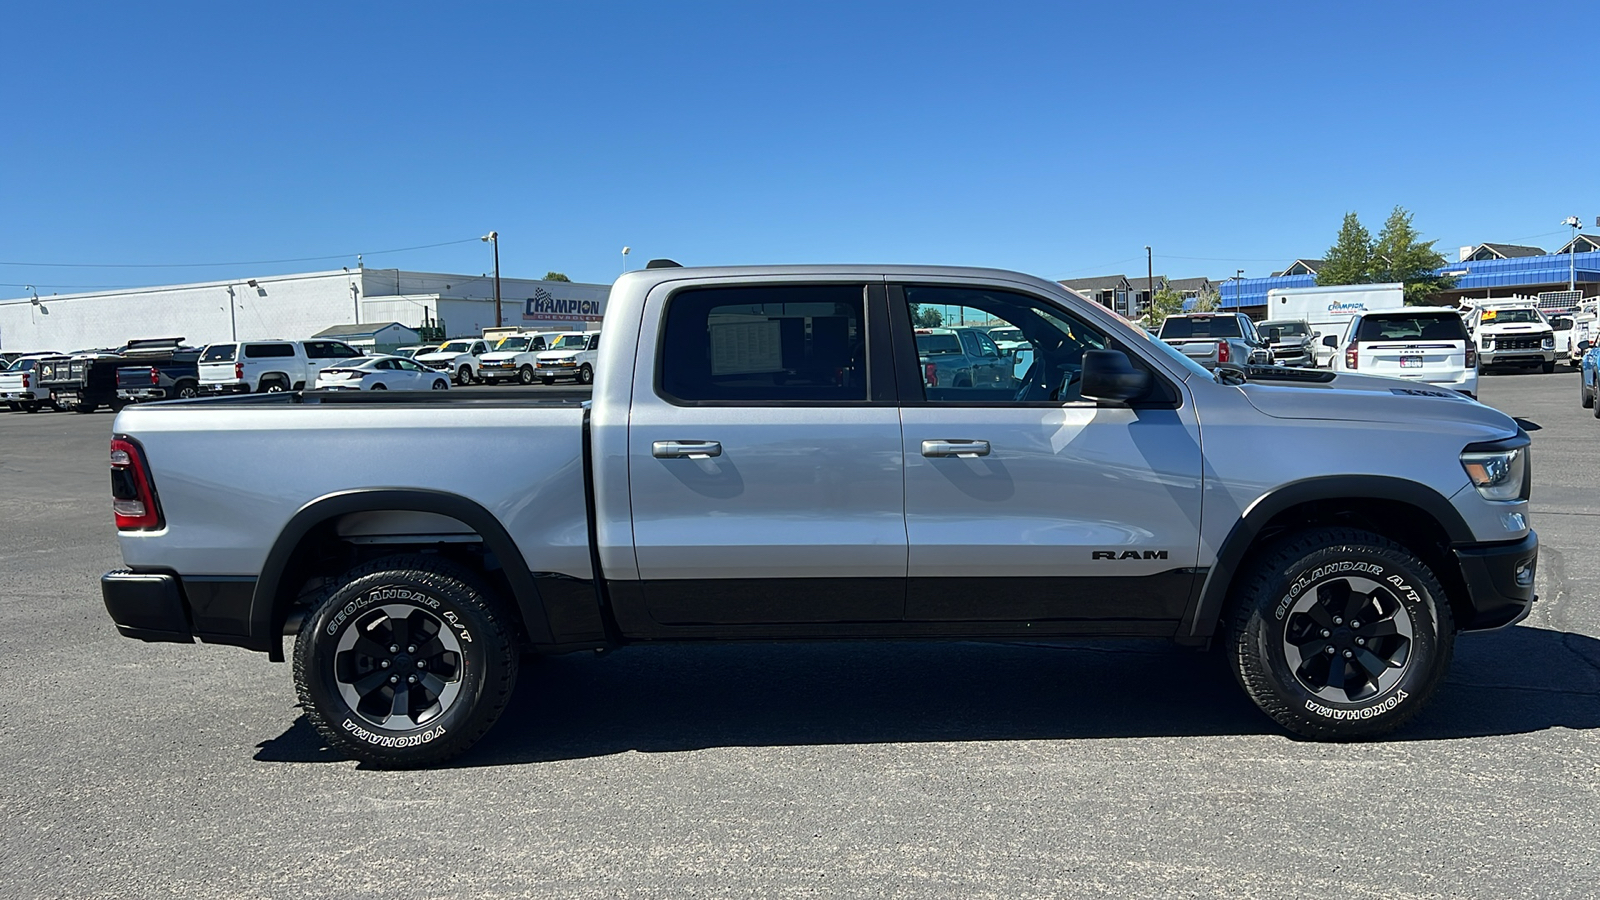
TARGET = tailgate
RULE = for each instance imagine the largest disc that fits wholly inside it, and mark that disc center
(217, 373)
(1437, 361)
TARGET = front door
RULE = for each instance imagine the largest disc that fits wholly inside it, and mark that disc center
(1026, 503)
(764, 458)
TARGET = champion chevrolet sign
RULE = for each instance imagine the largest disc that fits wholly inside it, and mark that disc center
(543, 307)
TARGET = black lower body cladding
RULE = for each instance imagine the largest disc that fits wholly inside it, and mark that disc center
(163, 607)
(1499, 579)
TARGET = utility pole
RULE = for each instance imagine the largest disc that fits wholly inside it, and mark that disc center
(1150, 277)
(1238, 289)
(1572, 251)
(493, 238)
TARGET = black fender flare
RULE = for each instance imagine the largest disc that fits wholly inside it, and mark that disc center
(1202, 621)
(266, 616)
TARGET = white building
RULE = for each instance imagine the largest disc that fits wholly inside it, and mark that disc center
(295, 306)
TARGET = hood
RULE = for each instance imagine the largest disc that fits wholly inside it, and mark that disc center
(1368, 398)
(1513, 327)
(436, 356)
(560, 354)
(501, 355)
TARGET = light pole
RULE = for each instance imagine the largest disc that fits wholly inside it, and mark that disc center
(1238, 289)
(625, 252)
(493, 238)
(1572, 252)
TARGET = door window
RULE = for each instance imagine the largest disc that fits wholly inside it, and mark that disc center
(966, 366)
(783, 343)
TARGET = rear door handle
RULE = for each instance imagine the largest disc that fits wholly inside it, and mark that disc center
(962, 449)
(685, 449)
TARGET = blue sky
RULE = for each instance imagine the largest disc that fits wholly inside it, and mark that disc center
(1053, 138)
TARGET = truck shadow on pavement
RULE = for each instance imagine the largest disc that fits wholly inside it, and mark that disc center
(676, 698)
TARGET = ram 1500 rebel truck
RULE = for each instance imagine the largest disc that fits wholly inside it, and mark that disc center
(761, 459)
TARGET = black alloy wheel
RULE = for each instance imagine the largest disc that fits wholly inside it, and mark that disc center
(1349, 640)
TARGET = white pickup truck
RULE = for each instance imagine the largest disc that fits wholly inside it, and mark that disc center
(461, 358)
(761, 459)
(267, 367)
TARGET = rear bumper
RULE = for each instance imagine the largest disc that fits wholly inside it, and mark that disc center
(1499, 581)
(162, 607)
(142, 393)
(230, 387)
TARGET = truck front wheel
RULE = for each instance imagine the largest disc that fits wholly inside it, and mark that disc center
(1339, 633)
(409, 662)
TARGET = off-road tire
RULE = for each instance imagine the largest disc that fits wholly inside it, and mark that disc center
(424, 591)
(1272, 608)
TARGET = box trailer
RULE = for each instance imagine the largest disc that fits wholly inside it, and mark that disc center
(1329, 309)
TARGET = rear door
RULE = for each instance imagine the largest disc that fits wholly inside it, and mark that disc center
(1429, 347)
(1032, 508)
(764, 456)
(216, 364)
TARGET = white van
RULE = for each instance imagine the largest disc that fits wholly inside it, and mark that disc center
(1423, 343)
(1328, 309)
(571, 356)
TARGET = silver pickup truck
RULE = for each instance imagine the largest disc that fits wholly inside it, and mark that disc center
(1213, 339)
(762, 459)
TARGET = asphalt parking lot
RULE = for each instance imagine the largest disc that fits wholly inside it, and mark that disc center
(853, 769)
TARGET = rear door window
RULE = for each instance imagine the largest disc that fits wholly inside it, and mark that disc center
(219, 353)
(1420, 327)
(268, 351)
(765, 344)
(328, 350)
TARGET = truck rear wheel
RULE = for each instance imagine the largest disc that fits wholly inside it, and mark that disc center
(1339, 634)
(408, 662)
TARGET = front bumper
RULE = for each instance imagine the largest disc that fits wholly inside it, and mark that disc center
(1499, 579)
(1515, 357)
(556, 372)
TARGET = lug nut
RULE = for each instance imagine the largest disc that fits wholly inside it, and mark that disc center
(412, 679)
(412, 648)
(1328, 650)
(1361, 642)
(394, 679)
(422, 664)
(1338, 621)
(1354, 624)
(1349, 653)
(395, 648)
(384, 663)
(1326, 633)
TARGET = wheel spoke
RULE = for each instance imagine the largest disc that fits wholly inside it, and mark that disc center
(366, 646)
(1336, 675)
(401, 707)
(399, 631)
(1311, 649)
(1354, 603)
(1380, 628)
(1320, 615)
(1372, 664)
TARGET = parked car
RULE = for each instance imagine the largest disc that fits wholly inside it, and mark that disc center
(1420, 343)
(459, 358)
(1293, 342)
(755, 471)
(962, 358)
(1513, 335)
(161, 377)
(267, 367)
(1213, 339)
(412, 351)
(1589, 377)
(516, 357)
(572, 356)
(380, 373)
(1008, 339)
(87, 380)
(19, 384)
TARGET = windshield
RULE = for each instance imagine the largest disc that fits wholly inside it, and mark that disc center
(218, 353)
(569, 342)
(934, 344)
(456, 347)
(352, 363)
(515, 342)
(22, 365)
(1200, 327)
(1006, 334)
(1287, 329)
(1511, 316)
(1423, 326)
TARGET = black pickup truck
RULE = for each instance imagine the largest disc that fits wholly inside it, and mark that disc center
(85, 381)
(161, 378)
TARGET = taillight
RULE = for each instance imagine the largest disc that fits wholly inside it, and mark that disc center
(930, 375)
(1351, 357)
(155, 375)
(1223, 353)
(1472, 357)
(25, 380)
(238, 371)
(133, 496)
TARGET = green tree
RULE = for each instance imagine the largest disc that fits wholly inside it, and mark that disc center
(1167, 302)
(1208, 301)
(556, 276)
(926, 318)
(1401, 255)
(1350, 259)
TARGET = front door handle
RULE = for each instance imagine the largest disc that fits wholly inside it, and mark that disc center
(962, 449)
(685, 449)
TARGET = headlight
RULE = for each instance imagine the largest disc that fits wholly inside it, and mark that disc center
(1498, 474)
(1548, 343)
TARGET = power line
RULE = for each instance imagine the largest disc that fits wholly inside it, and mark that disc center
(247, 262)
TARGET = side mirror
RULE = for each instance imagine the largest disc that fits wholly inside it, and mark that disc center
(1107, 376)
(1584, 345)
(1330, 341)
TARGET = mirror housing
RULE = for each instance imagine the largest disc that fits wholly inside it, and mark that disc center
(1108, 377)
(1329, 340)
(1584, 345)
